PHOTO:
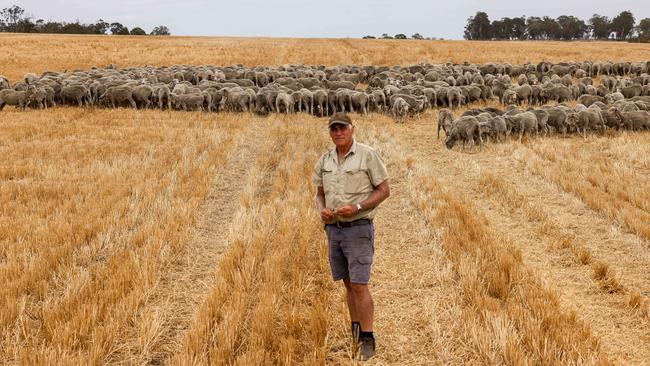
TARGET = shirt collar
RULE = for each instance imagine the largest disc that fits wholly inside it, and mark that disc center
(353, 150)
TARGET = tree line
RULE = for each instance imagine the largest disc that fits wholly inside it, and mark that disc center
(14, 19)
(566, 27)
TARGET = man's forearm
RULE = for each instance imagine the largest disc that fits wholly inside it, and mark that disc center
(320, 202)
(377, 196)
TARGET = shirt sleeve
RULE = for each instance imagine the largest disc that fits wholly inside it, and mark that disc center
(376, 168)
(317, 175)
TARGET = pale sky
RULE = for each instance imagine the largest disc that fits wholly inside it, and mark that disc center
(310, 18)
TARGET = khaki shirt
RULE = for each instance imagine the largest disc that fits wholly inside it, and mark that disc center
(352, 180)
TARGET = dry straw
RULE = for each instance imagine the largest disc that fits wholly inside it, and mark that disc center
(20, 54)
(142, 237)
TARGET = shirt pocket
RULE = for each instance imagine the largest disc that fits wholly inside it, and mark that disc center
(329, 178)
(356, 181)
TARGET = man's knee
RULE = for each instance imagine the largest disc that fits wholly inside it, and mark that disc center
(348, 285)
(359, 289)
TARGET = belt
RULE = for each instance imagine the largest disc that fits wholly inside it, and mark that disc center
(341, 224)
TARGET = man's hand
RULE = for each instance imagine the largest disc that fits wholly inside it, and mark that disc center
(326, 215)
(347, 210)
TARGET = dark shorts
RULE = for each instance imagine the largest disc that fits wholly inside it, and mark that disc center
(350, 252)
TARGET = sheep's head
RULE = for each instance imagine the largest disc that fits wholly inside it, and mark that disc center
(572, 119)
(545, 92)
(450, 141)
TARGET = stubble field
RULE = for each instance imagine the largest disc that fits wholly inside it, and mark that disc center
(155, 237)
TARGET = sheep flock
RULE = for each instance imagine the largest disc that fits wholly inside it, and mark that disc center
(542, 98)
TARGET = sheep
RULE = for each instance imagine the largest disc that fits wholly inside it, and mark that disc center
(400, 109)
(477, 111)
(464, 129)
(322, 104)
(525, 122)
(445, 119)
(207, 100)
(611, 119)
(614, 97)
(556, 119)
(238, 99)
(4, 82)
(214, 100)
(50, 95)
(495, 126)
(509, 96)
(142, 94)
(285, 101)
(588, 100)
(632, 91)
(524, 94)
(542, 120)
(76, 93)
(185, 88)
(187, 101)
(455, 95)
(13, 97)
(30, 78)
(161, 95)
(37, 98)
(116, 95)
(522, 80)
(636, 120)
(416, 102)
(587, 119)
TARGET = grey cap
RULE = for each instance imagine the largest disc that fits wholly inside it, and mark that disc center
(345, 123)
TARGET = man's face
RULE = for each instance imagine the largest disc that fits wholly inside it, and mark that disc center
(341, 134)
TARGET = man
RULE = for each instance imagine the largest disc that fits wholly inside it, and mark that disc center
(351, 181)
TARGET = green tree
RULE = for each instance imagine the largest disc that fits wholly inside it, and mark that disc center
(519, 28)
(551, 28)
(535, 28)
(137, 31)
(478, 27)
(119, 29)
(369, 37)
(52, 27)
(644, 29)
(502, 29)
(74, 28)
(160, 30)
(38, 24)
(400, 36)
(11, 16)
(600, 26)
(100, 27)
(571, 27)
(25, 25)
(417, 36)
(623, 25)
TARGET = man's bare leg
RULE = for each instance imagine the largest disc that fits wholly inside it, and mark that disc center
(352, 308)
(364, 305)
(365, 310)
